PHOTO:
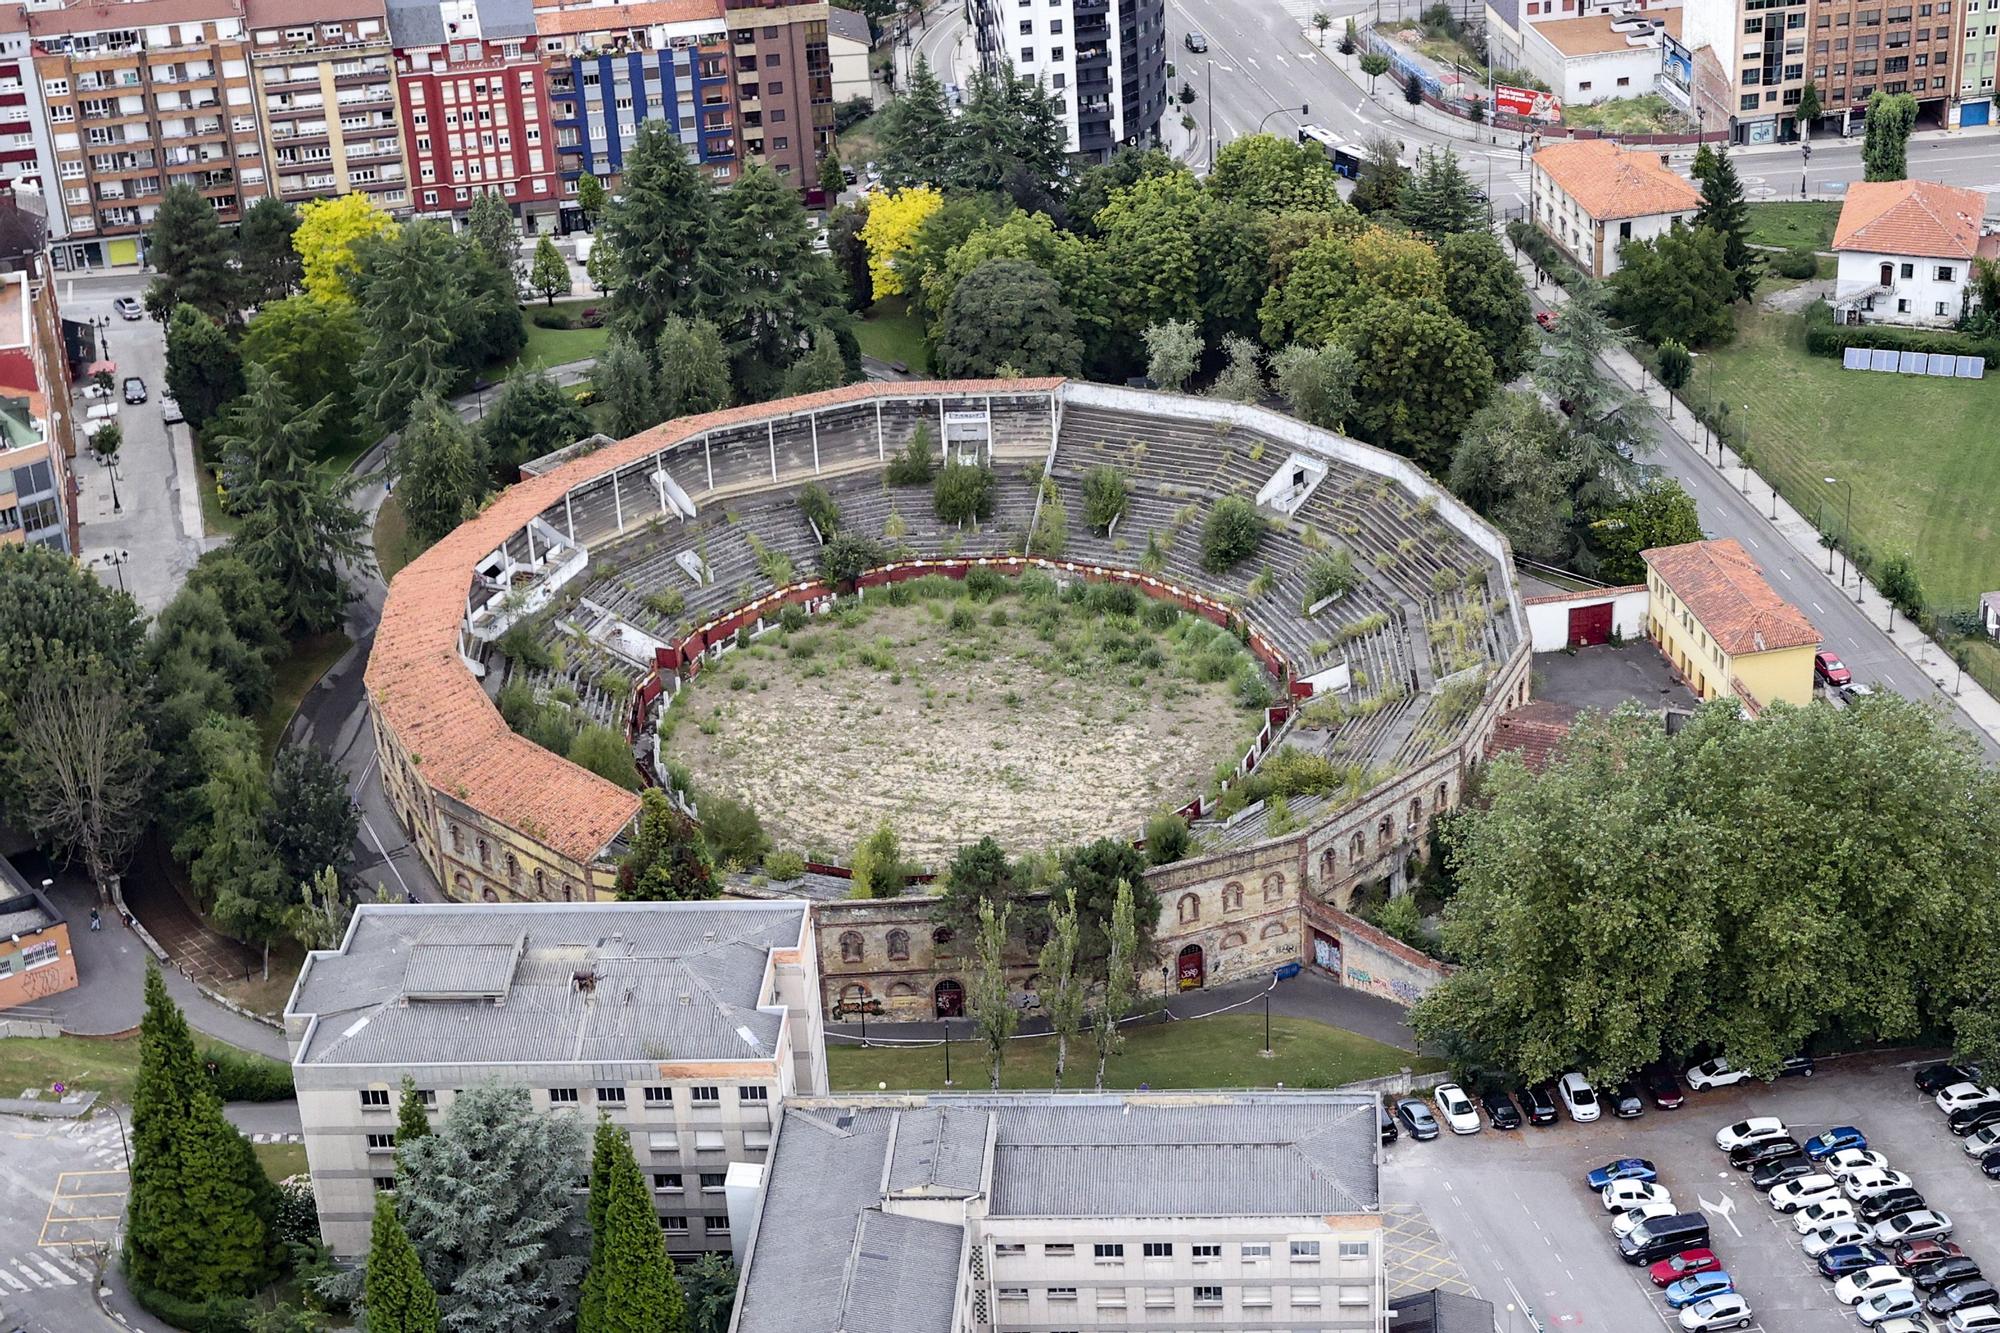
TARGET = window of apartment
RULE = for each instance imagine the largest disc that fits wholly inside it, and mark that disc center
(659, 1096)
(1305, 1296)
(776, 87)
(385, 1184)
(1254, 1250)
(1008, 1251)
(753, 1093)
(1945, 272)
(1305, 1251)
(1354, 1295)
(668, 1142)
(667, 1182)
(705, 1096)
(711, 1182)
(1909, 270)
(1055, 26)
(708, 1140)
(1256, 1298)
(562, 1096)
(1158, 1249)
(1940, 309)
(674, 1224)
(611, 1096)
(1113, 1253)
(1027, 27)
(1013, 1293)
(1062, 1293)
(1354, 1249)
(381, 1143)
(1111, 1300)
(1159, 1298)
(372, 1099)
(1902, 307)
(1208, 1295)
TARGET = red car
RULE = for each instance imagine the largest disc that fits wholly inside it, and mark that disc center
(1923, 1251)
(1546, 318)
(1831, 670)
(1685, 1264)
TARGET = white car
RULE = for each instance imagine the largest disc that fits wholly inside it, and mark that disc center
(1455, 1109)
(1849, 1160)
(1727, 1311)
(1908, 1323)
(1836, 1233)
(1823, 1213)
(1866, 1184)
(1622, 1223)
(1756, 1128)
(1924, 1224)
(1620, 1195)
(1974, 1319)
(1867, 1281)
(1949, 1100)
(1982, 1141)
(1796, 1194)
(1578, 1098)
(1896, 1303)
(1716, 1073)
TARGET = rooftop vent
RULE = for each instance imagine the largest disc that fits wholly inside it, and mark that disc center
(584, 980)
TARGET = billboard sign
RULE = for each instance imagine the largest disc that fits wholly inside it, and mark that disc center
(1676, 72)
(1527, 103)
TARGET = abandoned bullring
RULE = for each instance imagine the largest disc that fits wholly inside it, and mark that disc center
(1040, 610)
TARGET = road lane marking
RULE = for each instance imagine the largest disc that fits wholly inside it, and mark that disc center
(1786, 572)
(12, 1281)
(55, 1272)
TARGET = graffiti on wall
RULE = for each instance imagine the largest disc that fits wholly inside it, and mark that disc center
(1389, 988)
(1326, 953)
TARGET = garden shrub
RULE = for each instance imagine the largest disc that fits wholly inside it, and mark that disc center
(241, 1076)
(1800, 263)
(1230, 533)
(1104, 496)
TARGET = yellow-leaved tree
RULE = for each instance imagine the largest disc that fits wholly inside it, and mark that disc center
(893, 219)
(328, 231)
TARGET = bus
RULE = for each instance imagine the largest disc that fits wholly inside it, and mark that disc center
(1346, 158)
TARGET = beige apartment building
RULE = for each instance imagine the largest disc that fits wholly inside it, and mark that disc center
(1006, 1213)
(690, 1024)
(140, 96)
(37, 446)
(326, 100)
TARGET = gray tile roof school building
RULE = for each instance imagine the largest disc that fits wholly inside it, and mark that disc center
(689, 1023)
(963, 1213)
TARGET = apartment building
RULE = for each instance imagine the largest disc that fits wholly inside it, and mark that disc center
(1975, 47)
(139, 96)
(37, 444)
(1104, 61)
(1860, 47)
(1033, 1211)
(784, 84)
(611, 68)
(689, 1024)
(326, 98)
(27, 154)
(36, 958)
(474, 107)
(1590, 196)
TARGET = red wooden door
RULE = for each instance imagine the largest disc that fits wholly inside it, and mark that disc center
(1590, 624)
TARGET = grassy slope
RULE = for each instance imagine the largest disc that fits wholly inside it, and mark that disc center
(1926, 491)
(1221, 1052)
(296, 673)
(892, 333)
(1794, 224)
(394, 546)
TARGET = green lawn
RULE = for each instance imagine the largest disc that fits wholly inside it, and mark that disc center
(296, 673)
(1790, 226)
(108, 1068)
(555, 347)
(394, 547)
(1221, 1052)
(892, 333)
(1928, 491)
(280, 1160)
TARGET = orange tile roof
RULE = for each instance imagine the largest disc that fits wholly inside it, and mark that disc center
(1727, 593)
(552, 22)
(420, 688)
(1609, 182)
(1910, 218)
(1535, 731)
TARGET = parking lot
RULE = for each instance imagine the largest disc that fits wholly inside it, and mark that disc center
(1515, 1210)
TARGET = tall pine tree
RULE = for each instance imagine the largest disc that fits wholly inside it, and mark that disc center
(200, 1216)
(441, 469)
(404, 289)
(780, 288)
(661, 227)
(1724, 212)
(630, 1286)
(187, 250)
(395, 1294)
(917, 142)
(694, 369)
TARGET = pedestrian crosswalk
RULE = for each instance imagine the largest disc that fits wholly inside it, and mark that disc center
(101, 1137)
(43, 1270)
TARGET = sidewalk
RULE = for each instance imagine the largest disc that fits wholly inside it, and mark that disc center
(1674, 418)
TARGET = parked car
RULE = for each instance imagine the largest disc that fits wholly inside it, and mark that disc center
(1883, 1277)
(1685, 1264)
(1841, 1138)
(129, 308)
(1933, 1079)
(1779, 1170)
(1959, 1295)
(1621, 1195)
(1836, 1235)
(1578, 1097)
(1844, 1259)
(1822, 1213)
(1625, 1168)
(135, 389)
(1982, 1141)
(1749, 1131)
(1966, 1119)
(1878, 1206)
(1849, 1160)
(1664, 1087)
(1910, 1323)
(1965, 1094)
(1716, 1073)
(1194, 41)
(1626, 1103)
(1386, 1123)
(1974, 1319)
(1763, 1150)
(1456, 1109)
(1944, 1272)
(1730, 1311)
(1911, 1252)
(1546, 318)
(1989, 1163)
(1895, 1303)
(1923, 1224)
(1864, 1183)
(1828, 669)
(1803, 1192)
(1625, 1223)
(1796, 1066)
(170, 411)
(1500, 1112)
(1699, 1287)
(1538, 1103)
(1417, 1118)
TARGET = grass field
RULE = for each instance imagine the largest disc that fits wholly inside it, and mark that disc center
(296, 673)
(892, 333)
(280, 1160)
(1648, 114)
(1927, 491)
(394, 547)
(1792, 225)
(555, 347)
(1221, 1052)
(104, 1067)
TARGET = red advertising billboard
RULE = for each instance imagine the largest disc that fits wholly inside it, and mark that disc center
(1527, 103)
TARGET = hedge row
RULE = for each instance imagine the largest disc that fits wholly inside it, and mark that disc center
(1826, 338)
(216, 1314)
(241, 1076)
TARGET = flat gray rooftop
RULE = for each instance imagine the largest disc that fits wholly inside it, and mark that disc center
(1603, 677)
(832, 1219)
(523, 983)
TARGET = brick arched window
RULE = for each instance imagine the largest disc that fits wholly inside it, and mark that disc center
(1357, 849)
(513, 870)
(541, 883)
(850, 946)
(1271, 931)
(853, 996)
(899, 945)
(1385, 830)
(1443, 797)
(1416, 811)
(942, 937)
(1234, 940)
(485, 853)
(457, 839)
(1232, 896)
(1274, 884)
(1189, 908)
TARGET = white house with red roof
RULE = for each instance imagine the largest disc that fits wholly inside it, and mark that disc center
(1906, 250)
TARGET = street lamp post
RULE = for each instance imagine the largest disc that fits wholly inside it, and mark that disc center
(1847, 534)
(1305, 109)
(1209, 108)
(115, 559)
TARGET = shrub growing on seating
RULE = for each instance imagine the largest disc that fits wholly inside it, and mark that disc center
(1328, 574)
(963, 491)
(783, 867)
(818, 506)
(1230, 533)
(1166, 838)
(847, 557)
(1105, 492)
(913, 467)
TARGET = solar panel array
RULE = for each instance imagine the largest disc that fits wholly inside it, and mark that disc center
(1943, 365)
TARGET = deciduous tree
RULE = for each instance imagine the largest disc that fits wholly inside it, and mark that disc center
(1063, 982)
(327, 238)
(1379, 185)
(231, 862)
(441, 469)
(590, 196)
(1659, 513)
(491, 226)
(821, 368)
(1422, 374)
(890, 229)
(1008, 313)
(1886, 143)
(1675, 286)
(81, 759)
(314, 346)
(313, 821)
(1242, 379)
(1273, 174)
(1173, 350)
(550, 274)
(668, 862)
(1484, 289)
(694, 369)
(991, 1004)
(1124, 950)
(1317, 383)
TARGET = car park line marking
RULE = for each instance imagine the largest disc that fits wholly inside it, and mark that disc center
(1722, 1210)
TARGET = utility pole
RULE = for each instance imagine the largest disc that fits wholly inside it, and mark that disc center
(1210, 110)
